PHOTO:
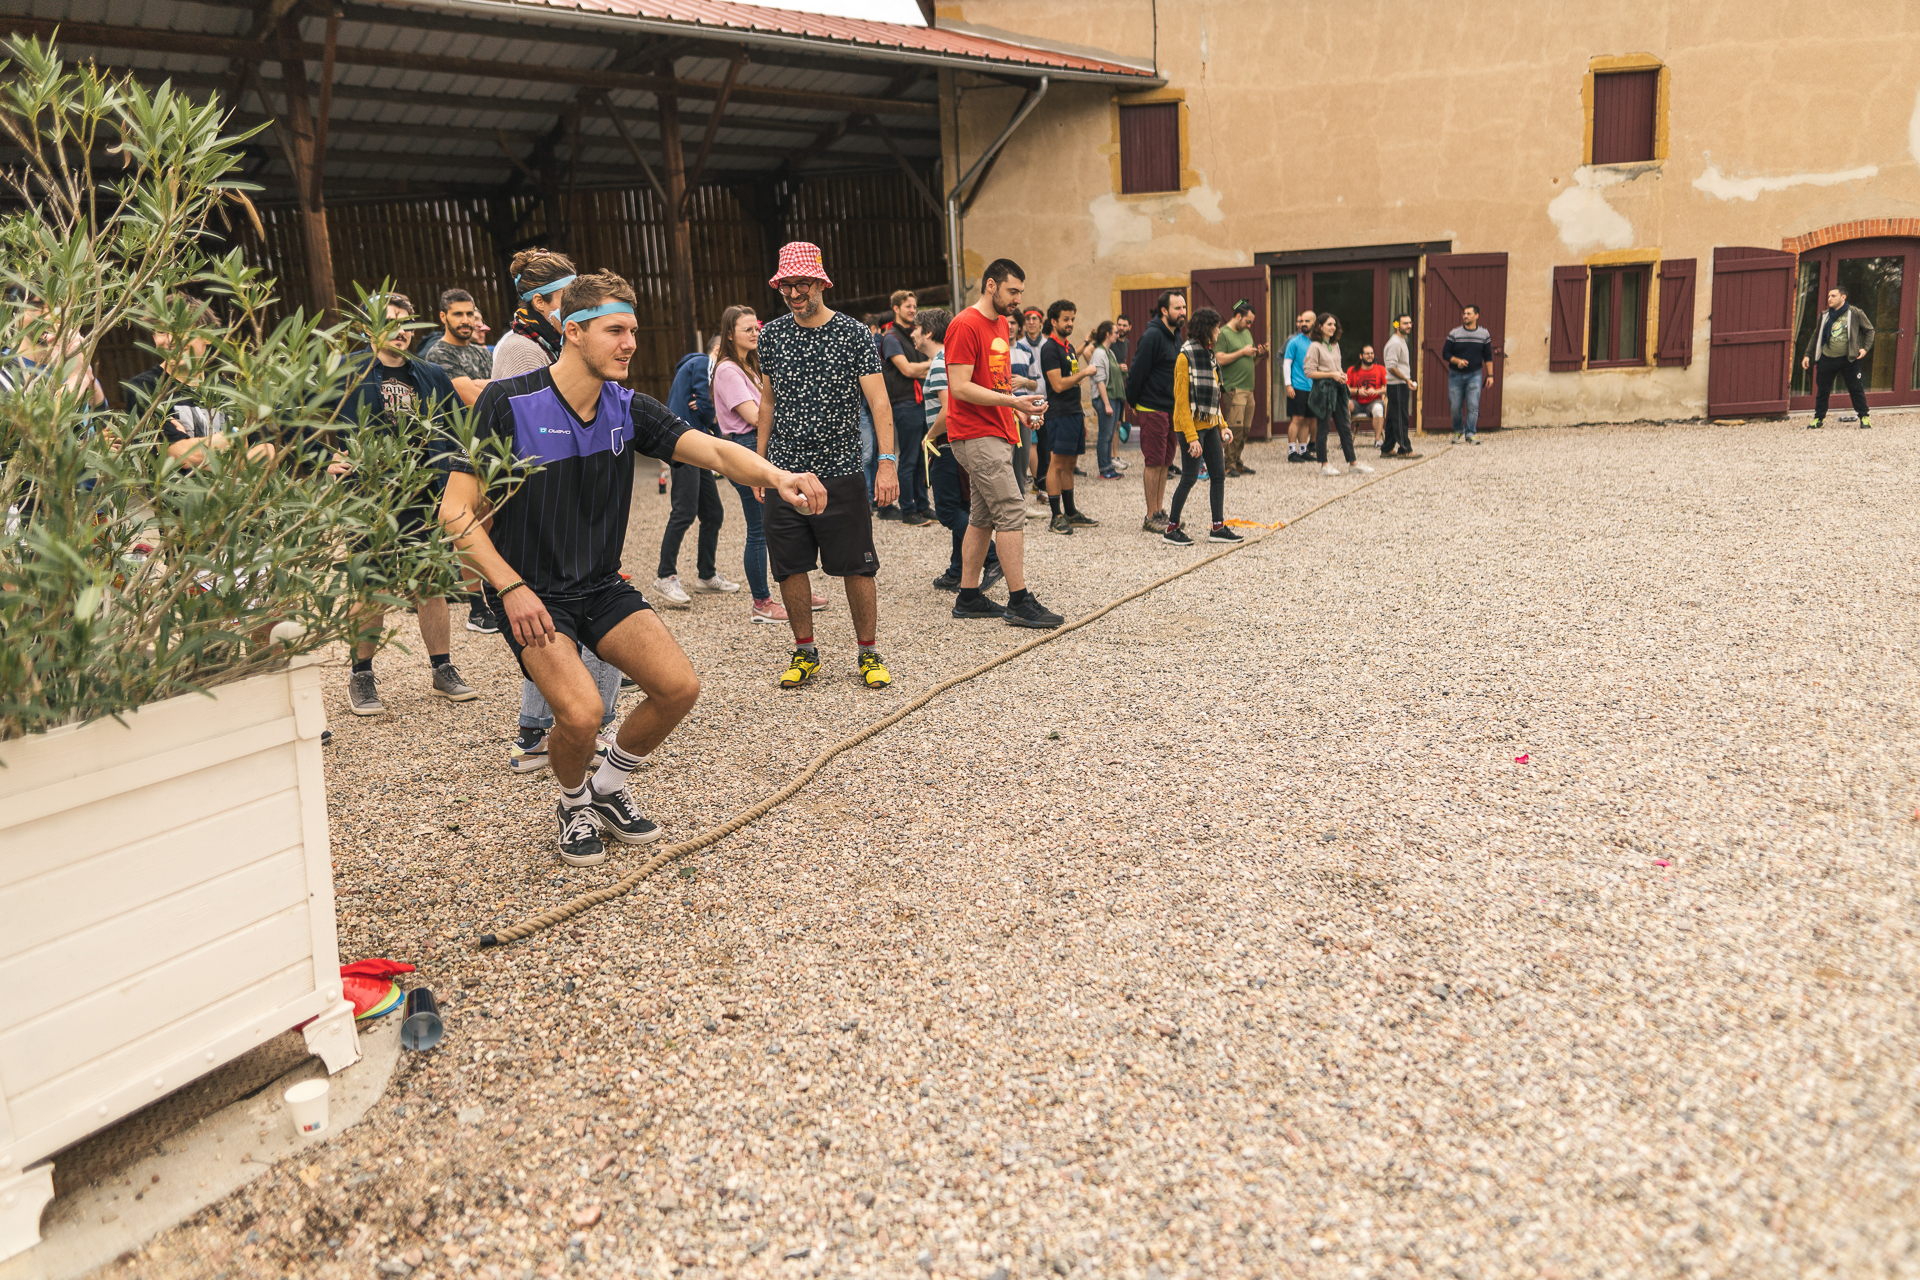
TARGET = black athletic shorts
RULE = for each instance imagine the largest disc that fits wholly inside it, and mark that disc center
(582, 619)
(1066, 433)
(1297, 405)
(839, 541)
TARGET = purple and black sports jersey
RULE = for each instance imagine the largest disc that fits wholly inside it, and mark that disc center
(563, 529)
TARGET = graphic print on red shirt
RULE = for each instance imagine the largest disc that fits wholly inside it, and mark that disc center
(973, 339)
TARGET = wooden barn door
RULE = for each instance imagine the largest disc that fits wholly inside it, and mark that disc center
(1453, 281)
(1220, 290)
(1752, 323)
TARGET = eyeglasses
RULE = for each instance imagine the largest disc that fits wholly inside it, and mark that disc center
(797, 286)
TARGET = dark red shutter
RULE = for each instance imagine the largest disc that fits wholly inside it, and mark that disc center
(1624, 106)
(1220, 289)
(1676, 313)
(1150, 148)
(1568, 328)
(1454, 280)
(1752, 327)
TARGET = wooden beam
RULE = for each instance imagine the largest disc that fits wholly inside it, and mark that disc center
(713, 127)
(326, 108)
(506, 146)
(626, 136)
(157, 41)
(913, 175)
(298, 139)
(679, 237)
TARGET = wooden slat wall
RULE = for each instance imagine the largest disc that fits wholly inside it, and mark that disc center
(874, 232)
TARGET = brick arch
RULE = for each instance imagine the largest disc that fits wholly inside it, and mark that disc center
(1864, 229)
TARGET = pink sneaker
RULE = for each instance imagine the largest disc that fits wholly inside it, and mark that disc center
(819, 602)
(769, 610)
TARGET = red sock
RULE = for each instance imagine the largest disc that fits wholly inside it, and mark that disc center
(803, 640)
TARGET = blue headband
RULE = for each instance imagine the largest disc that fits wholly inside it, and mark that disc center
(613, 308)
(541, 290)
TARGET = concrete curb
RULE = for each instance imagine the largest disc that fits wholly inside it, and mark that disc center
(91, 1227)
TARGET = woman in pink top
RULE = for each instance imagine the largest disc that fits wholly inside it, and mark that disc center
(736, 408)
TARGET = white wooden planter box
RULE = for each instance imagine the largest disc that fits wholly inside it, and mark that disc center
(166, 904)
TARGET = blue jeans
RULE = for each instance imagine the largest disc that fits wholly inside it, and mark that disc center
(909, 428)
(755, 560)
(1463, 397)
(1103, 446)
(536, 714)
(949, 508)
(869, 448)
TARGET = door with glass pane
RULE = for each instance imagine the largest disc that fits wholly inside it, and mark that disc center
(1879, 277)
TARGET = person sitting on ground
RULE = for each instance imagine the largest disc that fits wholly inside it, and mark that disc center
(1368, 383)
(1328, 399)
(1197, 417)
(1065, 429)
(694, 492)
(459, 350)
(552, 559)
(395, 393)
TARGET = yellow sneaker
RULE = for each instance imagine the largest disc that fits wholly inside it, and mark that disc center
(801, 668)
(874, 671)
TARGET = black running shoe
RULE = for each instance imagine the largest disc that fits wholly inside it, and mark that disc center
(947, 582)
(981, 607)
(481, 619)
(620, 817)
(579, 836)
(1177, 536)
(1031, 613)
(1223, 534)
(992, 576)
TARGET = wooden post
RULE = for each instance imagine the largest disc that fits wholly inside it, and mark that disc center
(679, 241)
(302, 145)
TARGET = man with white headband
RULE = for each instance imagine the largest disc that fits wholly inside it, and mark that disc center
(551, 562)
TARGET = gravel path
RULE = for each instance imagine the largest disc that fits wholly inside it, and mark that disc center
(1227, 937)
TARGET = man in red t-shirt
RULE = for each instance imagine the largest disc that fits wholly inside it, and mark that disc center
(1368, 382)
(981, 427)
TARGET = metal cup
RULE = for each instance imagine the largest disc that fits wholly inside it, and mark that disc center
(420, 1025)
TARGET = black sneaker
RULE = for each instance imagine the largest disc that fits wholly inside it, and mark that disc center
(991, 576)
(1177, 536)
(1031, 613)
(888, 512)
(979, 607)
(1246, 470)
(918, 519)
(1298, 457)
(1222, 533)
(1081, 520)
(620, 817)
(579, 836)
(481, 619)
(947, 582)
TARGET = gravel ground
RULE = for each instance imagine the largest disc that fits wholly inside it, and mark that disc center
(1509, 871)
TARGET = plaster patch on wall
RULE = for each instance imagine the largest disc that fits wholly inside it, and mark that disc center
(1116, 225)
(1206, 203)
(1721, 187)
(1913, 130)
(1582, 215)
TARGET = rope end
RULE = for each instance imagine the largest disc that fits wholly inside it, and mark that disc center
(488, 940)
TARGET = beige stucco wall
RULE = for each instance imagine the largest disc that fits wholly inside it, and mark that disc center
(1318, 126)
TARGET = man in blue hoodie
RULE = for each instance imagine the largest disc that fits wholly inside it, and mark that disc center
(396, 393)
(694, 491)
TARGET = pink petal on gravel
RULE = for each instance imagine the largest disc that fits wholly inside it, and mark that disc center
(1520, 759)
(1661, 862)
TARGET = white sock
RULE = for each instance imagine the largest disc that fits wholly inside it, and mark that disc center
(574, 798)
(614, 770)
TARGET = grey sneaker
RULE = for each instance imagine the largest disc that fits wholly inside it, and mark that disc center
(363, 699)
(448, 684)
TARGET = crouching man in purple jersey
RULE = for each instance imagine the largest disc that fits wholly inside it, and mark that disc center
(551, 563)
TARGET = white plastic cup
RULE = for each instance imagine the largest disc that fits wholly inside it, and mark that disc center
(308, 1103)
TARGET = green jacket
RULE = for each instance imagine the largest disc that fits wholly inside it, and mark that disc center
(1859, 333)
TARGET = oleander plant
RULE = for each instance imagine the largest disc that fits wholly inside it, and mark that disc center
(130, 573)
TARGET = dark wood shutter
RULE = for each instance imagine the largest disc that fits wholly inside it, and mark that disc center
(1567, 330)
(1676, 313)
(1150, 148)
(1453, 281)
(1220, 289)
(1752, 326)
(1624, 107)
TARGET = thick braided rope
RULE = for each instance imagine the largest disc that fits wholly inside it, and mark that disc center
(713, 835)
